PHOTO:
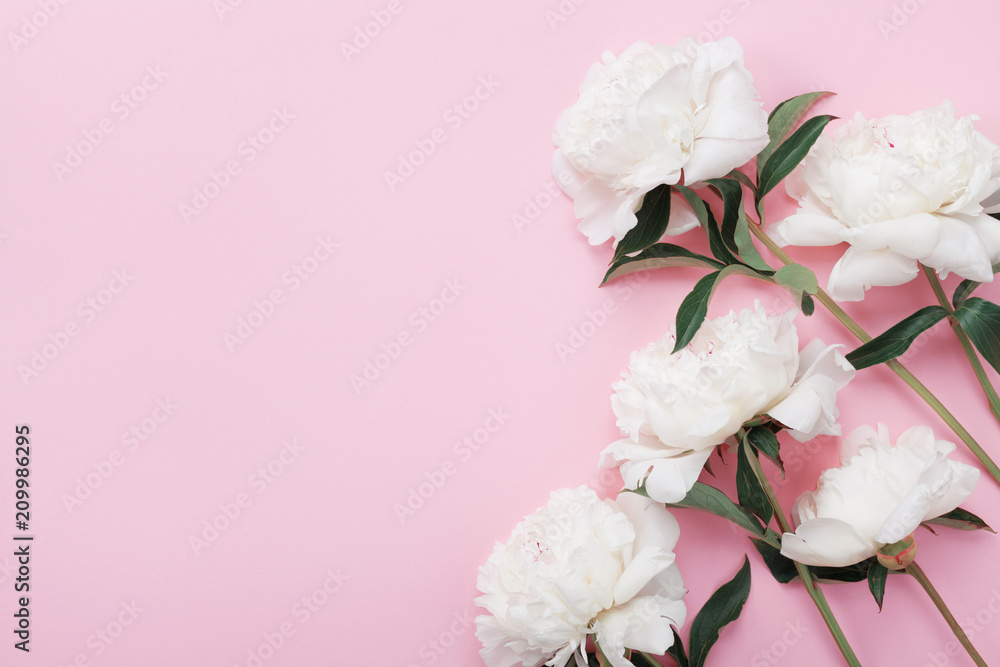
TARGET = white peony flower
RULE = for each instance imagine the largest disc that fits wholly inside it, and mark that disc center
(655, 115)
(878, 496)
(675, 408)
(581, 567)
(901, 190)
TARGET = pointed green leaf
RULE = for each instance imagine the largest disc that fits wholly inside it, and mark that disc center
(658, 256)
(808, 306)
(783, 120)
(789, 154)
(877, 574)
(981, 321)
(676, 650)
(744, 179)
(731, 194)
(967, 287)
(748, 488)
(782, 569)
(765, 442)
(720, 610)
(694, 307)
(710, 499)
(745, 247)
(960, 519)
(849, 573)
(897, 339)
(711, 226)
(652, 217)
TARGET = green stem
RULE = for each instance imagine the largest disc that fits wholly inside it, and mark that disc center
(815, 592)
(917, 573)
(963, 338)
(894, 365)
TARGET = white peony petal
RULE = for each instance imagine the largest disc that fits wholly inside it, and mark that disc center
(810, 409)
(567, 177)
(670, 479)
(960, 249)
(943, 486)
(682, 216)
(988, 229)
(643, 568)
(714, 158)
(807, 229)
(654, 525)
(826, 542)
(915, 236)
(859, 270)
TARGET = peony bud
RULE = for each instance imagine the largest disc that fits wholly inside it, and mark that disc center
(897, 555)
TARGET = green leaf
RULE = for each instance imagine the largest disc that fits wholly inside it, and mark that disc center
(981, 321)
(743, 178)
(731, 194)
(720, 610)
(710, 499)
(967, 287)
(808, 306)
(877, 574)
(708, 222)
(897, 339)
(652, 217)
(745, 247)
(789, 154)
(764, 441)
(849, 573)
(676, 650)
(960, 519)
(783, 119)
(798, 280)
(693, 309)
(782, 569)
(658, 256)
(748, 488)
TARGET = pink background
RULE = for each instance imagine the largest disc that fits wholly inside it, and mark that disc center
(114, 517)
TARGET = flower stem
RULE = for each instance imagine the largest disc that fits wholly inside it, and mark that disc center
(894, 365)
(963, 338)
(917, 573)
(815, 592)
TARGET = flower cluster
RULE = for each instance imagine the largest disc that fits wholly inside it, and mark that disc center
(584, 578)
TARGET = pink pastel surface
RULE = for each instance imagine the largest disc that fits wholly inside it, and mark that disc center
(133, 302)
